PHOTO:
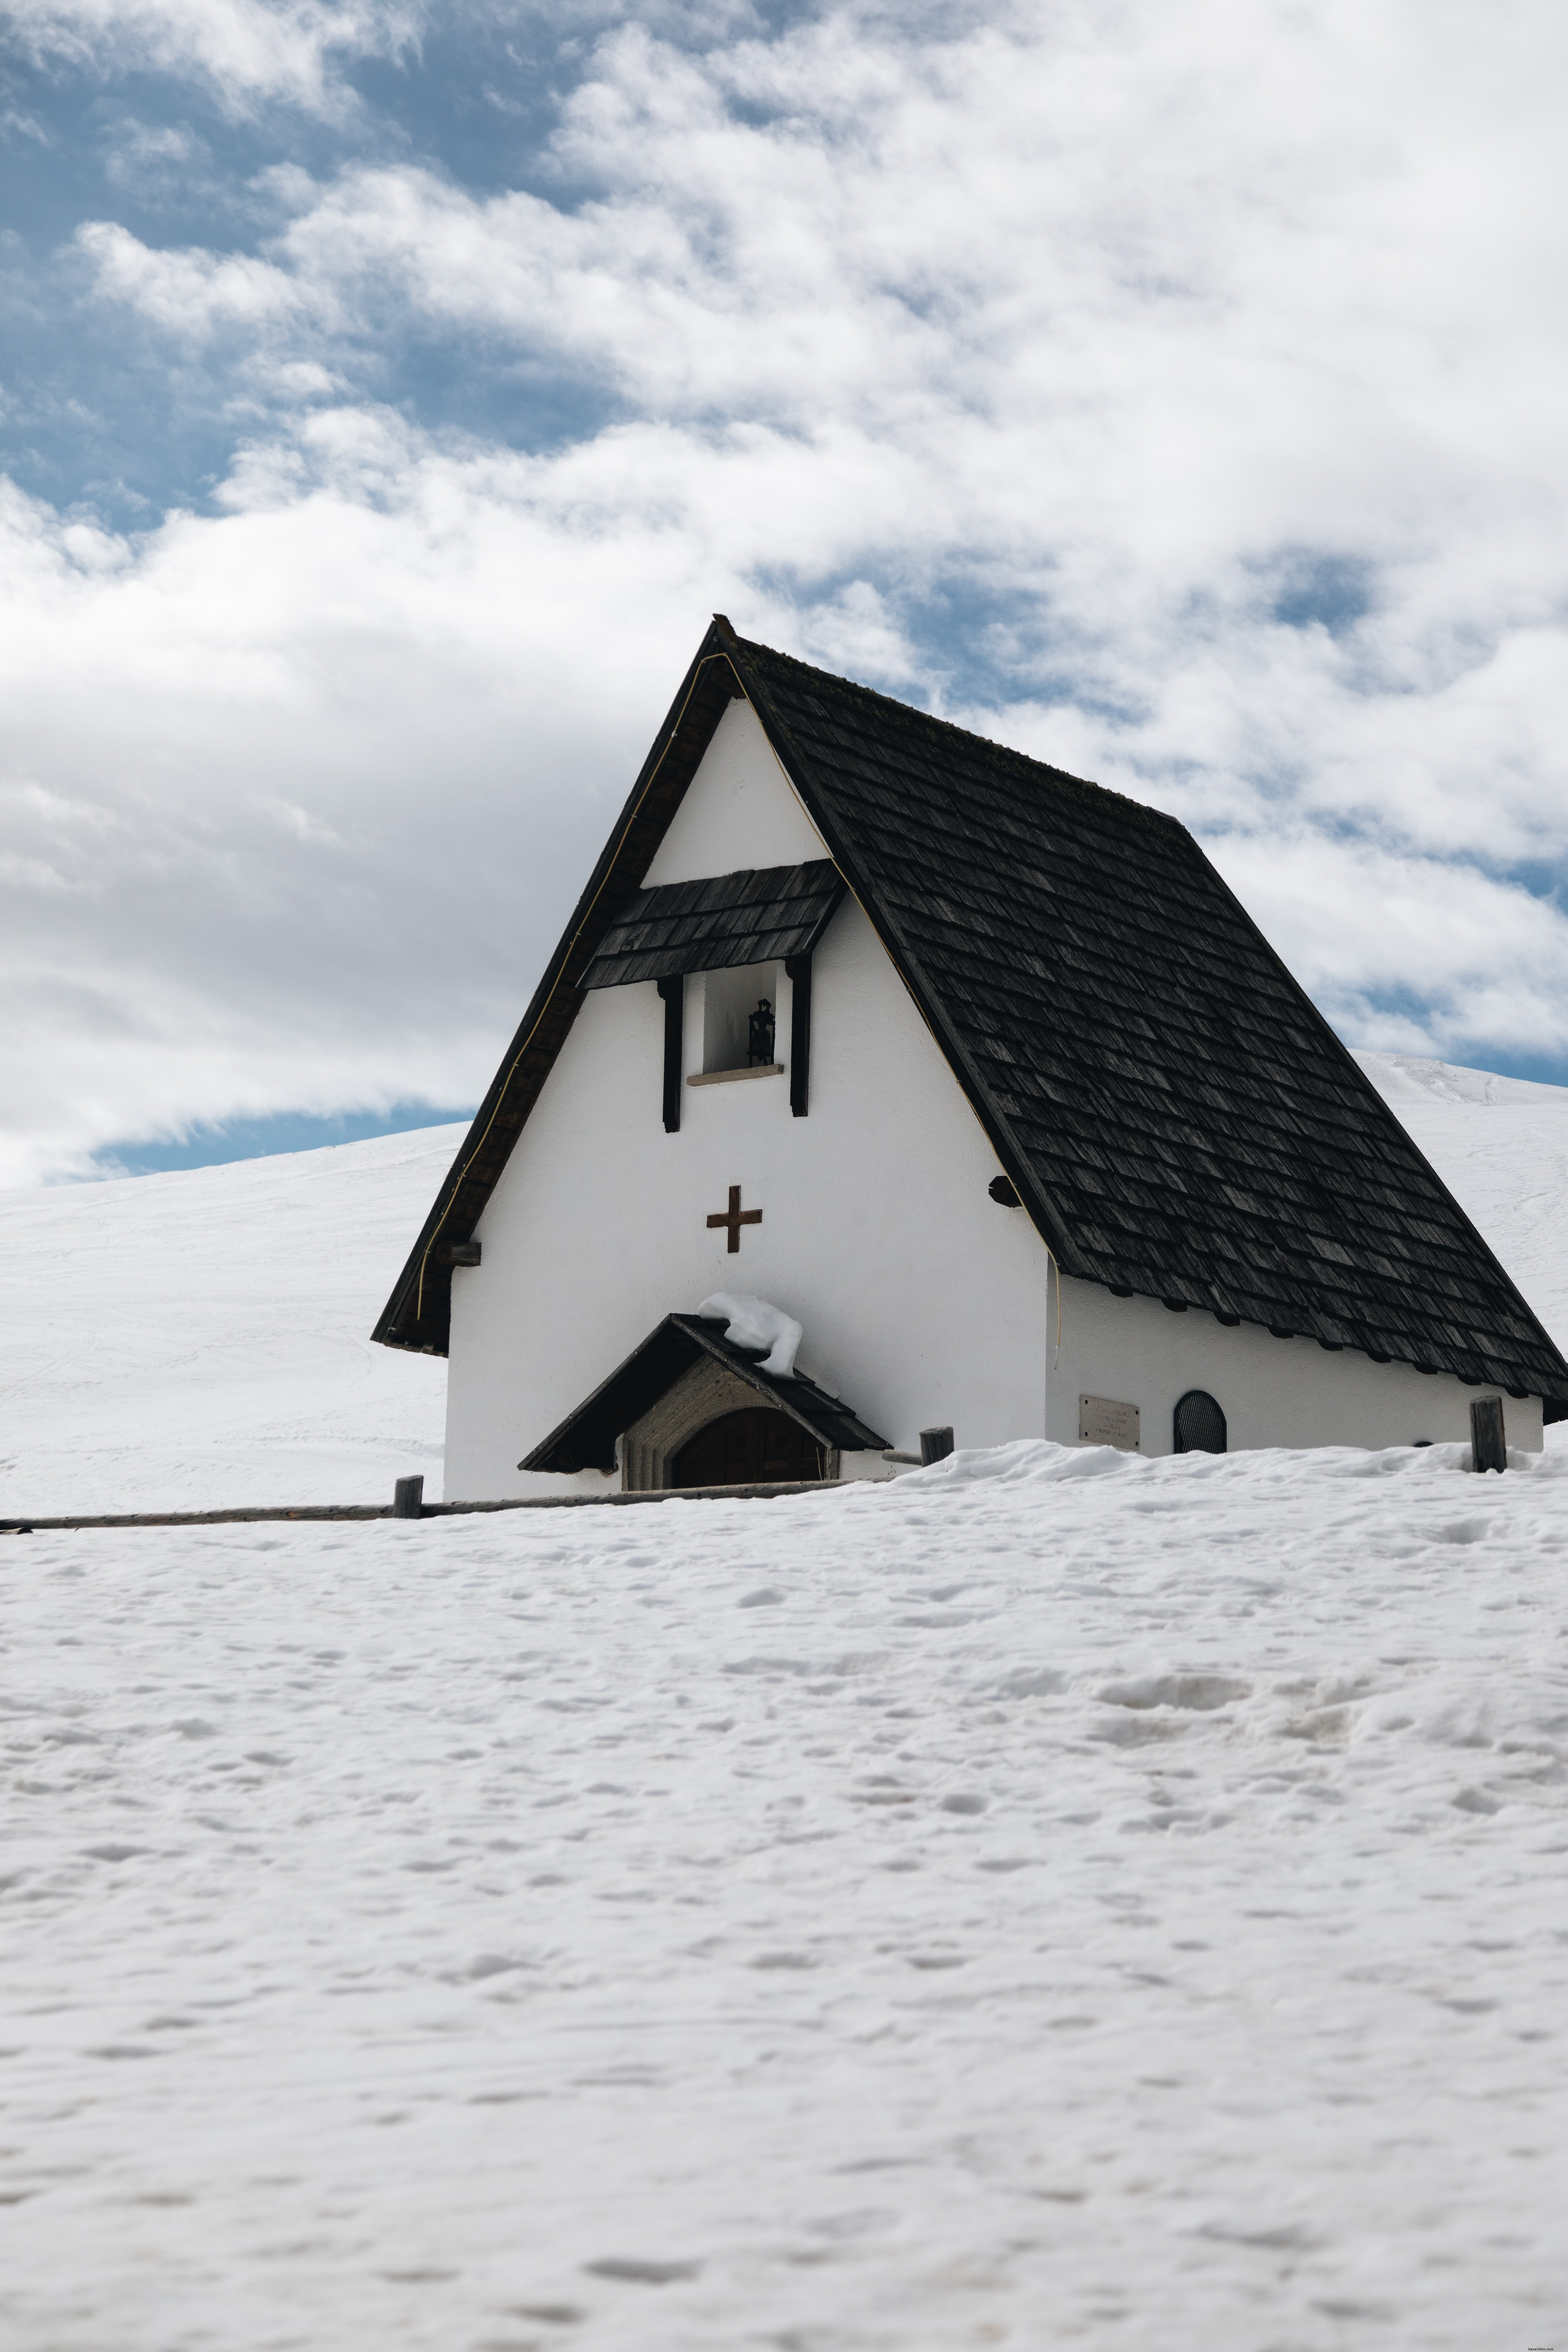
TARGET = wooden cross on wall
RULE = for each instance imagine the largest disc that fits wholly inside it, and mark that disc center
(735, 1217)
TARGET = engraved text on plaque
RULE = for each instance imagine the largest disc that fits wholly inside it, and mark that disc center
(1103, 1421)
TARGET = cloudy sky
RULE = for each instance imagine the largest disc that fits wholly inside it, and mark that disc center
(1173, 388)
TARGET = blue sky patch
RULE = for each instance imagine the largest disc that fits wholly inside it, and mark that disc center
(261, 1139)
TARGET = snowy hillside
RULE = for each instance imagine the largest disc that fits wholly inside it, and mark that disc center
(179, 1342)
(1500, 1145)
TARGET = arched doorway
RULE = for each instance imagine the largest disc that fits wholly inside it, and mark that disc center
(755, 1448)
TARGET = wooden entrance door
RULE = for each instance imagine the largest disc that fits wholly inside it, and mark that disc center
(753, 1448)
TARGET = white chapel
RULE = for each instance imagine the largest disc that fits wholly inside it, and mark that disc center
(887, 1080)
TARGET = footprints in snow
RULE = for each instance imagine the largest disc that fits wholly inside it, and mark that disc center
(642, 2272)
(1194, 1694)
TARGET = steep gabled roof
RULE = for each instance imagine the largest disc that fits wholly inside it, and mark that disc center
(1180, 1121)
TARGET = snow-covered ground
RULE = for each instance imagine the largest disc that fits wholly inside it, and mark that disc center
(1057, 1898)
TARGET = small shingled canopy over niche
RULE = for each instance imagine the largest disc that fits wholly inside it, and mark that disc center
(1200, 1424)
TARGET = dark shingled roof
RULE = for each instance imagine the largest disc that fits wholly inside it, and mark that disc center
(587, 1438)
(1180, 1121)
(760, 916)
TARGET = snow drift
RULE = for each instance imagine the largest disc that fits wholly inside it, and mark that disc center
(752, 1322)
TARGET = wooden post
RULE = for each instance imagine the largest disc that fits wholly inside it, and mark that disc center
(936, 1444)
(1489, 1445)
(409, 1499)
(674, 995)
(798, 969)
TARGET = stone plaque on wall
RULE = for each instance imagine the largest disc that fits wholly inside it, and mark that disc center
(1103, 1421)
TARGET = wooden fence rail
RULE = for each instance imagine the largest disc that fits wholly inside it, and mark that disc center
(422, 1510)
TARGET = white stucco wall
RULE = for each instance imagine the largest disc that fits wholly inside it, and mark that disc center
(739, 811)
(1272, 1391)
(923, 1302)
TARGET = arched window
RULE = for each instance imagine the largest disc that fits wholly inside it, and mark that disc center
(1200, 1424)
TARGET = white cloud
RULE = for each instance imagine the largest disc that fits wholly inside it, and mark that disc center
(245, 50)
(295, 796)
(191, 294)
(1131, 332)
(1409, 954)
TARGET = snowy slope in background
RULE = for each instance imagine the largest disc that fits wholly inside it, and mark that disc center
(185, 1342)
(1500, 1145)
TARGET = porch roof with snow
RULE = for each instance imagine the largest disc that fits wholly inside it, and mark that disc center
(587, 1438)
(1180, 1121)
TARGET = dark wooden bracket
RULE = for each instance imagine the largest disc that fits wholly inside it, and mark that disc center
(456, 1252)
(674, 995)
(799, 970)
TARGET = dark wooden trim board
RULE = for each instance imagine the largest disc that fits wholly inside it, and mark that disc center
(799, 971)
(674, 995)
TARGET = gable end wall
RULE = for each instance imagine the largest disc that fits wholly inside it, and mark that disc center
(922, 1301)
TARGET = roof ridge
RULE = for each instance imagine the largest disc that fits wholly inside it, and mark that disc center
(908, 710)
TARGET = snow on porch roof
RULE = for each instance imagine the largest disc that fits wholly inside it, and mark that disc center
(760, 916)
(1179, 1120)
(587, 1438)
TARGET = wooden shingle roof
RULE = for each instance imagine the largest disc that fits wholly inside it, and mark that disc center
(761, 916)
(1179, 1120)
